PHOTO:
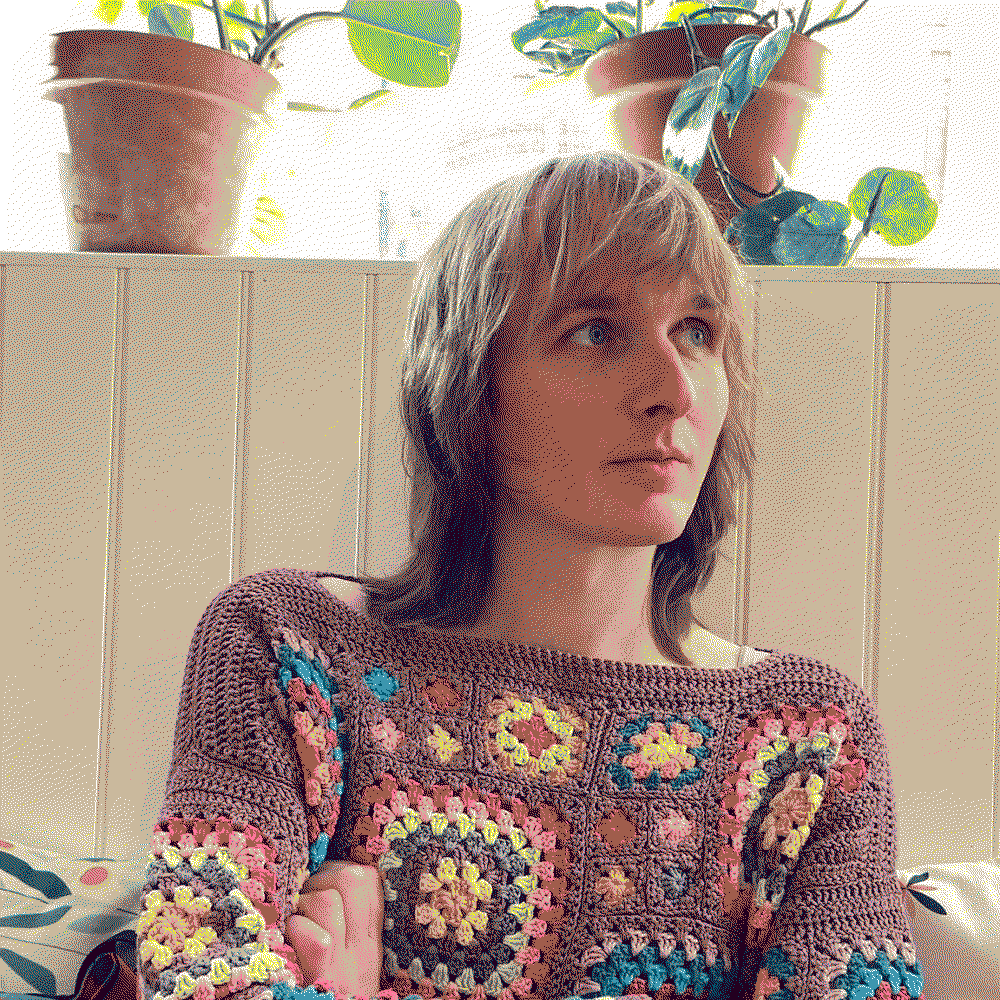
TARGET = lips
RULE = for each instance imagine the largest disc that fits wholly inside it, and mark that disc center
(655, 455)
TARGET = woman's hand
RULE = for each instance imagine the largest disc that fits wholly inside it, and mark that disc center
(336, 930)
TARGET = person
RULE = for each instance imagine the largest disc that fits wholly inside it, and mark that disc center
(520, 764)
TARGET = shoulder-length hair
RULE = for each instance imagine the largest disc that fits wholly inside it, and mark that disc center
(462, 289)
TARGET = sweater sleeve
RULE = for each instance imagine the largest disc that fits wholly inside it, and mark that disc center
(252, 797)
(825, 913)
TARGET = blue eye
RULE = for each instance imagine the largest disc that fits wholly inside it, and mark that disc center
(691, 323)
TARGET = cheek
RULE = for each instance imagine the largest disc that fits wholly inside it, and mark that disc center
(535, 424)
(510, 425)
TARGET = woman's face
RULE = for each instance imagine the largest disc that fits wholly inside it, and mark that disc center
(598, 382)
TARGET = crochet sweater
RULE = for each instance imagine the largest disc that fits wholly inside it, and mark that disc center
(546, 825)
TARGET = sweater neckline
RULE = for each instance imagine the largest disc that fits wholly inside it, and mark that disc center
(503, 649)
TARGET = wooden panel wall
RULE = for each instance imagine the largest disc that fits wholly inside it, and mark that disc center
(171, 424)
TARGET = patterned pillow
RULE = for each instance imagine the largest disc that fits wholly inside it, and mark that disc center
(55, 910)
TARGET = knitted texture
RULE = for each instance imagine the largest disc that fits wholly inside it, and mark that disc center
(545, 825)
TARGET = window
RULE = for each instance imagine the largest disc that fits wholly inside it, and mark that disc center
(387, 184)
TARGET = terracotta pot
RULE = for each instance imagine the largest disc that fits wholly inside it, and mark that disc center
(639, 79)
(164, 134)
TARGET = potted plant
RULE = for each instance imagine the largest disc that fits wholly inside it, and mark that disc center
(664, 93)
(165, 132)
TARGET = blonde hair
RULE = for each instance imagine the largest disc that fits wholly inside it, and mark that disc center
(464, 285)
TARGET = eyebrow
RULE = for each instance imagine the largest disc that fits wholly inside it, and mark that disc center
(699, 302)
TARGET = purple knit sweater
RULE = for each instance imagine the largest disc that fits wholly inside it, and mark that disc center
(546, 826)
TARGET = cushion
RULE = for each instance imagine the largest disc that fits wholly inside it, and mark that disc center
(56, 909)
(961, 945)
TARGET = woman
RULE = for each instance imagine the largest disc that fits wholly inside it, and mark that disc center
(515, 415)
(577, 534)
(519, 765)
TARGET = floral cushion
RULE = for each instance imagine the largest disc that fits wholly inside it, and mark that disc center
(954, 912)
(55, 910)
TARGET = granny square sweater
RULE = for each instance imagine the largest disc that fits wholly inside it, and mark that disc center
(546, 825)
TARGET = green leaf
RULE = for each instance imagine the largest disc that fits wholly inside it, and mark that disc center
(620, 7)
(382, 97)
(173, 19)
(931, 904)
(793, 227)
(237, 31)
(299, 106)
(689, 7)
(108, 11)
(758, 226)
(559, 60)
(38, 977)
(44, 882)
(268, 226)
(745, 65)
(905, 213)
(625, 27)
(33, 921)
(571, 29)
(169, 19)
(813, 235)
(689, 123)
(737, 77)
(836, 11)
(699, 13)
(765, 54)
(407, 42)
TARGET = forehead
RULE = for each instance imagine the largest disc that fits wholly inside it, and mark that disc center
(600, 286)
(632, 252)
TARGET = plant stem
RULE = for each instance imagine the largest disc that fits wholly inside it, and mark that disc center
(213, 5)
(866, 227)
(803, 17)
(278, 31)
(737, 10)
(858, 237)
(281, 31)
(223, 35)
(836, 20)
(698, 62)
(612, 25)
